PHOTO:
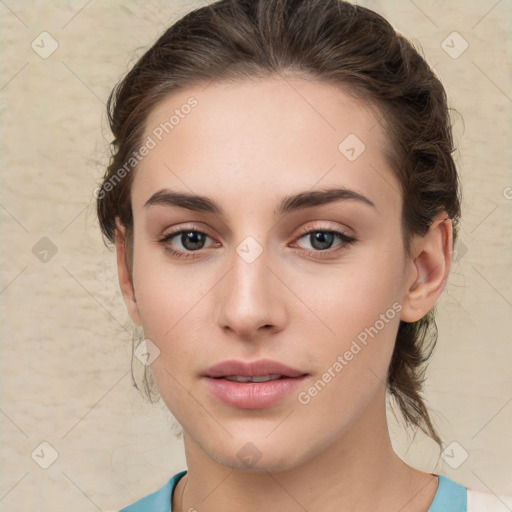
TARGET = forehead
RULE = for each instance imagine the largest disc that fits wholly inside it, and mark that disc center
(264, 135)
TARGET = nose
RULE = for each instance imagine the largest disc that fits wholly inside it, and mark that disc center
(251, 300)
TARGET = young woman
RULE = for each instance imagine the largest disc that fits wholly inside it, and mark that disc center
(283, 202)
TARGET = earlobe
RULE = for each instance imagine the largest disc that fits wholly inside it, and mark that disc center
(124, 274)
(428, 269)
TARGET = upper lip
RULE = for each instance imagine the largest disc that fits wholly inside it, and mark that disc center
(258, 368)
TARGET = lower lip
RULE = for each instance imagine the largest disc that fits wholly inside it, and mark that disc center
(253, 395)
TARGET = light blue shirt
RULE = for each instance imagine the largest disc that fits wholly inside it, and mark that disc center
(450, 497)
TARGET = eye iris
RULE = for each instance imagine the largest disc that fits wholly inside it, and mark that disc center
(322, 240)
(193, 240)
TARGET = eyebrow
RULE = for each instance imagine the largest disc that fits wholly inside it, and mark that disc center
(166, 197)
(320, 197)
(301, 201)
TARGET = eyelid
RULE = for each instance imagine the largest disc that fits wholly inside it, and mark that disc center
(323, 226)
(175, 231)
(179, 228)
(346, 239)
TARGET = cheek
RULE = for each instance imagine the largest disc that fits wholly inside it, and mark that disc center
(166, 293)
(358, 314)
(331, 308)
(354, 355)
(351, 297)
(175, 313)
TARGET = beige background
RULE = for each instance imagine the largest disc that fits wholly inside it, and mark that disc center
(64, 376)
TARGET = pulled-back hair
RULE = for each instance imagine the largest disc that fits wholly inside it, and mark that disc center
(331, 41)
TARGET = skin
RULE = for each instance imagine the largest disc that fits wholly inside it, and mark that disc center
(246, 146)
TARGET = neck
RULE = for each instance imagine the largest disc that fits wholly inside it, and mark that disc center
(358, 472)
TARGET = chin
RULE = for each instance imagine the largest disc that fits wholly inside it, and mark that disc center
(258, 456)
(264, 465)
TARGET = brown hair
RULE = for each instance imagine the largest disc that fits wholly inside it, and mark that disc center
(328, 40)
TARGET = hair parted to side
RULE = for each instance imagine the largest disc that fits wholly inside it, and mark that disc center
(331, 41)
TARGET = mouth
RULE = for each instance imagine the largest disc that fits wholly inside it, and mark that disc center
(252, 385)
(245, 371)
(244, 379)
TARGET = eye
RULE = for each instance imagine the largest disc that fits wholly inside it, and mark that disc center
(323, 240)
(186, 241)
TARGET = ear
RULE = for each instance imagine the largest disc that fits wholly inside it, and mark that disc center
(124, 274)
(428, 269)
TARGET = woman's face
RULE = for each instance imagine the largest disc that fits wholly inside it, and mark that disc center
(292, 252)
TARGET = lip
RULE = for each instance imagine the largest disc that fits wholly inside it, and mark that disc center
(252, 395)
(251, 369)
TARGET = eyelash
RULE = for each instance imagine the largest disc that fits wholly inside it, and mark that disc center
(181, 254)
(345, 240)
